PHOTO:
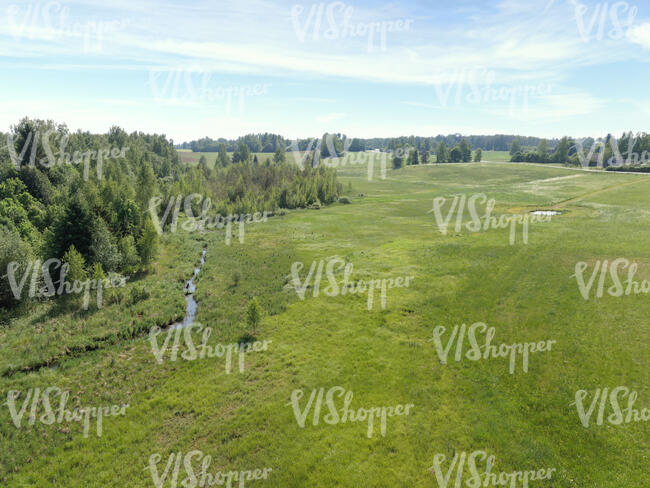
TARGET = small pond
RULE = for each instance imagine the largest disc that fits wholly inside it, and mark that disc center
(546, 212)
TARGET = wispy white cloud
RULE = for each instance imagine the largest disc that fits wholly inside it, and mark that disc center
(640, 34)
(505, 38)
(509, 43)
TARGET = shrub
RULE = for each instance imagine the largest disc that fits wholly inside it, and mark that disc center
(114, 295)
(253, 315)
(626, 169)
(139, 293)
(236, 277)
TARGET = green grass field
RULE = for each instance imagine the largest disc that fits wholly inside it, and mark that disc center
(384, 356)
(495, 156)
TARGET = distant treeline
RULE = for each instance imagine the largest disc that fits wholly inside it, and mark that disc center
(631, 151)
(256, 143)
(269, 143)
(85, 199)
(450, 148)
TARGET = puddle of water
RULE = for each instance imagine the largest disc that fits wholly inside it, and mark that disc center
(545, 212)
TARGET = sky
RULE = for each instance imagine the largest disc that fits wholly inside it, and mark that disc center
(192, 69)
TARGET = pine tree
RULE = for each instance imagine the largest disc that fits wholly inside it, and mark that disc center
(465, 150)
(561, 154)
(442, 155)
(279, 156)
(542, 150)
(413, 157)
(148, 243)
(398, 160)
(515, 147)
(203, 166)
(223, 158)
(146, 184)
(76, 265)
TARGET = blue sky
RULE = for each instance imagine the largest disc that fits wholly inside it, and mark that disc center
(222, 69)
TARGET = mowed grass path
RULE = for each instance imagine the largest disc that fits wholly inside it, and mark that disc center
(385, 357)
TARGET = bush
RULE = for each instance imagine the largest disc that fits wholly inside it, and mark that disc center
(627, 169)
(236, 277)
(247, 338)
(253, 315)
(344, 200)
(139, 293)
(115, 295)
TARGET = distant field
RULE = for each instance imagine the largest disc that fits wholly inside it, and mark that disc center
(495, 156)
(385, 357)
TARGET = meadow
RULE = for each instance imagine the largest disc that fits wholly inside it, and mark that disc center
(385, 356)
(495, 156)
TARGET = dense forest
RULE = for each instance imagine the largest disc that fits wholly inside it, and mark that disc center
(84, 198)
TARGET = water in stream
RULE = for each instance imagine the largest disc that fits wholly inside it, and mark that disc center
(190, 289)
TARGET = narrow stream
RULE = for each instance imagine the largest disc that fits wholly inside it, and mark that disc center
(190, 289)
(190, 311)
